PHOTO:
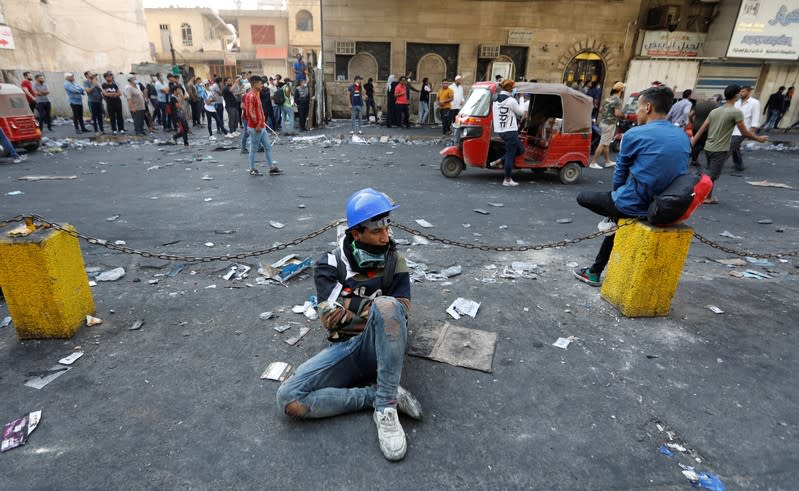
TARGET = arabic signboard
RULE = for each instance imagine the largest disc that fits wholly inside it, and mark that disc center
(766, 29)
(520, 38)
(6, 38)
(673, 44)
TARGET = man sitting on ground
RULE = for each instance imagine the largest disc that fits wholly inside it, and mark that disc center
(654, 154)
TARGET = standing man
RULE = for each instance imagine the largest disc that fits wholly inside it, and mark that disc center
(595, 94)
(402, 101)
(678, 115)
(750, 107)
(608, 115)
(256, 127)
(369, 87)
(136, 105)
(27, 87)
(365, 293)
(300, 69)
(215, 93)
(506, 109)
(161, 92)
(719, 125)
(40, 92)
(95, 98)
(773, 109)
(287, 108)
(113, 103)
(444, 101)
(302, 99)
(231, 105)
(654, 154)
(786, 106)
(457, 97)
(75, 97)
(698, 117)
(355, 95)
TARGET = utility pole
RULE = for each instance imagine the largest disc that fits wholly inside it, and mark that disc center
(172, 50)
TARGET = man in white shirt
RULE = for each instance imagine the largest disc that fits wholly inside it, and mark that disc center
(678, 115)
(506, 111)
(751, 109)
(457, 98)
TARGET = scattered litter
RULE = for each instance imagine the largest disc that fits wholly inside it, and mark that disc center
(503, 227)
(308, 308)
(424, 223)
(6, 321)
(224, 232)
(177, 269)
(46, 178)
(665, 451)
(458, 346)
(759, 261)
(264, 316)
(751, 273)
(120, 242)
(765, 221)
(70, 359)
(563, 343)
(296, 339)
(496, 205)
(92, 283)
(358, 139)
(702, 479)
(769, 184)
(277, 370)
(282, 328)
(136, 325)
(237, 272)
(467, 225)
(207, 178)
(111, 275)
(209, 244)
(677, 447)
(276, 224)
(93, 321)
(563, 220)
(301, 206)
(730, 235)
(463, 306)
(419, 240)
(16, 433)
(714, 309)
(153, 282)
(452, 271)
(732, 262)
(21, 230)
(524, 267)
(209, 287)
(40, 379)
(481, 211)
(14, 193)
(572, 264)
(208, 200)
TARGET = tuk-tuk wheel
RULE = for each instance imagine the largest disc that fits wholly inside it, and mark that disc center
(571, 173)
(451, 166)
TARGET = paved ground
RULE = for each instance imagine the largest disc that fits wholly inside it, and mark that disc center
(179, 403)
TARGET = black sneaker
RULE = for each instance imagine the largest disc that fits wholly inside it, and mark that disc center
(274, 171)
(255, 172)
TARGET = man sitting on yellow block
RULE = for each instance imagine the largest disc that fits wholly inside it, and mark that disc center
(652, 155)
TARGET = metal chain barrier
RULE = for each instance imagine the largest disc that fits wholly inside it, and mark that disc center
(464, 245)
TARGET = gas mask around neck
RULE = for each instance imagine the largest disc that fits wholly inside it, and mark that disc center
(369, 256)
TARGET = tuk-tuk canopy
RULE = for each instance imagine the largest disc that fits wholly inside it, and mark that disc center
(577, 106)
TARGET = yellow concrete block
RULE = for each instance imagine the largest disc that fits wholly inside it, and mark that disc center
(645, 268)
(44, 283)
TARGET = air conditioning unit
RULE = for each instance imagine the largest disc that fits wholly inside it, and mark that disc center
(345, 47)
(489, 51)
(662, 17)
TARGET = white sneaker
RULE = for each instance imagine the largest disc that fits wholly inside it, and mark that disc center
(610, 164)
(594, 165)
(390, 434)
(605, 225)
(407, 404)
(20, 158)
(352, 132)
(496, 164)
(360, 132)
(212, 138)
(509, 182)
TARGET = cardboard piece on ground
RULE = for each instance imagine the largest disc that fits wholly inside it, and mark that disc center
(39, 381)
(46, 178)
(769, 184)
(277, 370)
(457, 346)
(296, 339)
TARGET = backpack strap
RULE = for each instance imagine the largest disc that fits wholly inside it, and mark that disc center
(389, 267)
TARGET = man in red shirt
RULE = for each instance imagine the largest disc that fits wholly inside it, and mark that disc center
(401, 95)
(27, 87)
(256, 126)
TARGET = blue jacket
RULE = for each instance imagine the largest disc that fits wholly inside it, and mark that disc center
(651, 157)
(74, 92)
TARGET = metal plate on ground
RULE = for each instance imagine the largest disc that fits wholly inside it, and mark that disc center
(457, 346)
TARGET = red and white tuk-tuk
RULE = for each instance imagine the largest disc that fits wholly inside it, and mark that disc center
(17, 120)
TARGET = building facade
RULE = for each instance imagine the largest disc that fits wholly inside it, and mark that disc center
(535, 40)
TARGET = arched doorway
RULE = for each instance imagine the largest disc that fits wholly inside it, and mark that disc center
(431, 66)
(583, 67)
(362, 64)
(502, 66)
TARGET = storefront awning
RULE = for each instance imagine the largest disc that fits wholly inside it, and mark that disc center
(271, 53)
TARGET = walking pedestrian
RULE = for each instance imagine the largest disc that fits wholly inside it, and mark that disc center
(786, 105)
(181, 125)
(152, 98)
(12, 152)
(219, 106)
(275, 104)
(457, 97)
(719, 125)
(608, 115)
(135, 99)
(231, 106)
(698, 117)
(750, 107)
(43, 107)
(444, 102)
(391, 84)
(75, 98)
(355, 95)
(424, 101)
(678, 115)
(506, 110)
(256, 127)
(94, 95)
(245, 135)
(401, 96)
(773, 109)
(200, 104)
(27, 88)
(302, 100)
(287, 109)
(162, 91)
(209, 104)
(369, 89)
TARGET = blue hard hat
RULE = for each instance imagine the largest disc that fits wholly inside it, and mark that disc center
(367, 203)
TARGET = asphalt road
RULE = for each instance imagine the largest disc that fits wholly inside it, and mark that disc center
(179, 404)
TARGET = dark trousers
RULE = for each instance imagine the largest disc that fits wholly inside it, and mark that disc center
(370, 102)
(196, 112)
(182, 127)
(513, 148)
(391, 112)
(715, 163)
(403, 115)
(277, 117)
(32, 105)
(302, 110)
(77, 117)
(696, 151)
(232, 118)
(210, 116)
(220, 117)
(735, 148)
(114, 108)
(96, 108)
(446, 122)
(44, 115)
(602, 204)
(138, 122)
(158, 111)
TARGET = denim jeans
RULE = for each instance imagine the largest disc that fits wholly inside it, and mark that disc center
(735, 149)
(96, 109)
(424, 111)
(355, 115)
(245, 134)
(288, 118)
(602, 204)
(158, 111)
(232, 118)
(513, 148)
(446, 122)
(256, 139)
(7, 145)
(335, 381)
(771, 120)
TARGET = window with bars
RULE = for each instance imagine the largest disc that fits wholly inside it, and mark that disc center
(304, 21)
(185, 31)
